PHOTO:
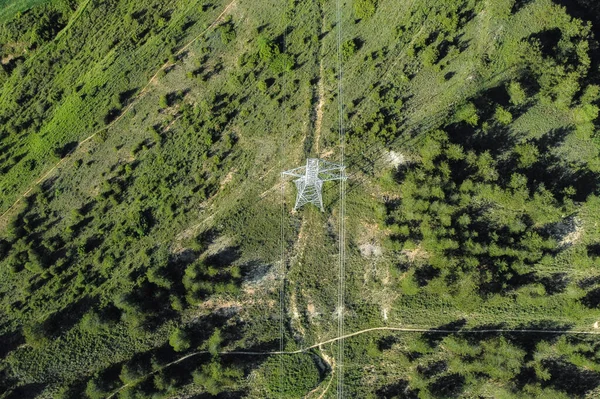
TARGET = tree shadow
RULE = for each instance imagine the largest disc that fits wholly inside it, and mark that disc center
(26, 391)
(66, 149)
(593, 250)
(592, 299)
(556, 283)
(450, 385)
(548, 40)
(519, 4)
(10, 341)
(399, 389)
(432, 369)
(435, 335)
(424, 274)
(529, 341)
(569, 378)
(64, 320)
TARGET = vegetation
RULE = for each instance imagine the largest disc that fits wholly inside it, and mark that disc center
(143, 143)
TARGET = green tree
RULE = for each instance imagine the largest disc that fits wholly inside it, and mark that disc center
(503, 116)
(516, 93)
(527, 154)
(94, 390)
(261, 85)
(214, 342)
(92, 322)
(430, 56)
(266, 48)
(179, 340)
(468, 114)
(214, 378)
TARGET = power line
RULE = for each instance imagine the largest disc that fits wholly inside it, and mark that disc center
(360, 332)
(342, 215)
(282, 264)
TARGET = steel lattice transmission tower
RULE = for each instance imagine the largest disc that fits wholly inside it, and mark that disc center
(310, 180)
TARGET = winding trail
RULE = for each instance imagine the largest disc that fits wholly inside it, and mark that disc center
(432, 330)
(136, 99)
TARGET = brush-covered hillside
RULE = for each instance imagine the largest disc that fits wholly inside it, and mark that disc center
(149, 247)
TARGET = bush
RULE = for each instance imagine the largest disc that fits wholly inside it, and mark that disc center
(94, 391)
(300, 375)
(163, 102)
(270, 53)
(92, 322)
(35, 335)
(364, 8)
(261, 85)
(349, 48)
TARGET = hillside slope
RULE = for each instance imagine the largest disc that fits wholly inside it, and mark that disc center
(148, 247)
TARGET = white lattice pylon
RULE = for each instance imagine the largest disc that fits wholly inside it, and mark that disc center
(310, 180)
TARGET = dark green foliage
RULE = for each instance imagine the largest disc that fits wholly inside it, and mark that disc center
(349, 48)
(35, 334)
(269, 52)
(227, 32)
(214, 378)
(440, 211)
(300, 375)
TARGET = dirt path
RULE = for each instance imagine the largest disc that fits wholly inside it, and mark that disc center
(320, 104)
(431, 330)
(331, 363)
(136, 99)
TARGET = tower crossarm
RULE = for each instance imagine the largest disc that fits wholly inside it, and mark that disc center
(329, 171)
(297, 172)
(332, 175)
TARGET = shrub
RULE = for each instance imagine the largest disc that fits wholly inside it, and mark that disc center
(93, 390)
(163, 102)
(92, 322)
(35, 334)
(349, 48)
(266, 48)
(282, 63)
(430, 56)
(364, 9)
(261, 85)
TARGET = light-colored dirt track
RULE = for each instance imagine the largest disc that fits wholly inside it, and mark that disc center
(431, 330)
